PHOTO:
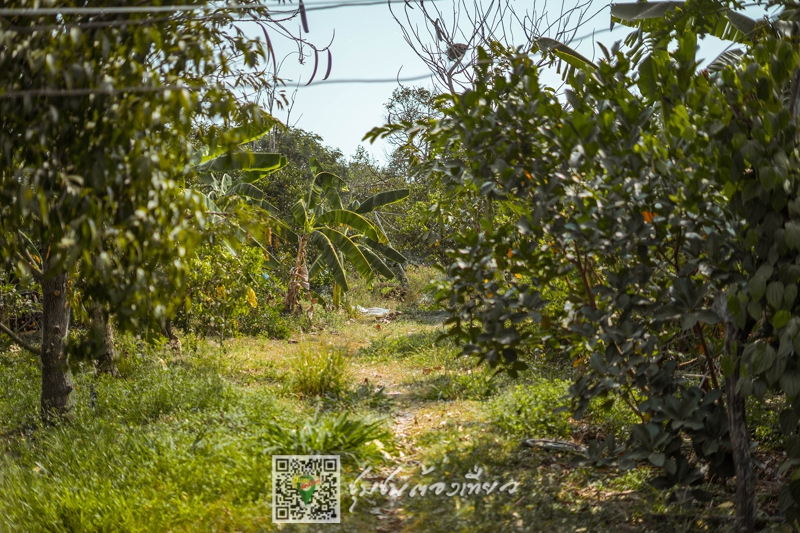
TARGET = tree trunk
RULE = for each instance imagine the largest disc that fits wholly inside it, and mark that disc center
(174, 341)
(56, 384)
(745, 500)
(103, 334)
(298, 279)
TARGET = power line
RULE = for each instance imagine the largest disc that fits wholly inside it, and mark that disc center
(368, 80)
(90, 91)
(121, 90)
(131, 10)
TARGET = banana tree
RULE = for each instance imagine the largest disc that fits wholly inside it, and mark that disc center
(230, 174)
(338, 232)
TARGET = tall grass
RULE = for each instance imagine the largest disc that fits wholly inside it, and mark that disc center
(319, 370)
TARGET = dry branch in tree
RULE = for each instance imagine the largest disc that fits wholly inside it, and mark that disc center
(447, 41)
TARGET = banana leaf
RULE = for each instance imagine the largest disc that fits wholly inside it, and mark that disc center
(331, 258)
(381, 199)
(377, 263)
(244, 161)
(339, 217)
(350, 251)
(384, 249)
(322, 182)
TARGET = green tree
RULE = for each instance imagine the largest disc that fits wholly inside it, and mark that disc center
(667, 197)
(97, 112)
(337, 231)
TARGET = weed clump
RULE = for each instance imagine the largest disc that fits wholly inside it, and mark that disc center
(360, 439)
(529, 411)
(316, 370)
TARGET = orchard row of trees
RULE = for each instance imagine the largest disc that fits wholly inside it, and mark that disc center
(135, 183)
(658, 201)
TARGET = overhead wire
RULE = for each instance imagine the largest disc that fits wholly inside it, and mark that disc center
(132, 10)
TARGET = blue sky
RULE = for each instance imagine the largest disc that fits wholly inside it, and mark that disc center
(369, 44)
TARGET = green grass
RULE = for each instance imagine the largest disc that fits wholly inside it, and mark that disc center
(185, 444)
(319, 370)
(171, 446)
(529, 410)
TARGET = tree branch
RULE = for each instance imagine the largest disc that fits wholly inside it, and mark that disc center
(18, 340)
(707, 352)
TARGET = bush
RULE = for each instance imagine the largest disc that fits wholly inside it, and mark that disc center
(332, 434)
(230, 294)
(527, 411)
(458, 384)
(317, 370)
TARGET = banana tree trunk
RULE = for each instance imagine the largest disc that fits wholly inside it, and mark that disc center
(298, 277)
(56, 385)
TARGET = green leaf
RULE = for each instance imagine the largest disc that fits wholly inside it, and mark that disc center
(337, 217)
(316, 266)
(725, 59)
(299, 212)
(790, 383)
(775, 294)
(377, 263)
(763, 358)
(792, 234)
(243, 134)
(350, 251)
(564, 52)
(757, 287)
(781, 318)
(244, 161)
(384, 249)
(331, 258)
(319, 188)
(381, 199)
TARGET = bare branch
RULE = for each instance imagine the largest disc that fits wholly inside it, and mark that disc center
(36, 350)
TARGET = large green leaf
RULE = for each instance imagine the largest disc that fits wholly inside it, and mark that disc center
(254, 195)
(381, 199)
(628, 13)
(350, 251)
(342, 217)
(729, 57)
(333, 198)
(564, 52)
(330, 256)
(240, 135)
(384, 249)
(315, 267)
(319, 188)
(283, 231)
(299, 212)
(244, 161)
(727, 25)
(377, 263)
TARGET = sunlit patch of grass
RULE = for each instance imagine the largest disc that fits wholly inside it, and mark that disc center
(418, 344)
(528, 410)
(318, 370)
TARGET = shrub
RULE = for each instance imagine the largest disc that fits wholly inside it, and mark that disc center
(231, 294)
(317, 370)
(333, 434)
(460, 384)
(528, 410)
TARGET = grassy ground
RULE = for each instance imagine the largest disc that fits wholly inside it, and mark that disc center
(185, 444)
